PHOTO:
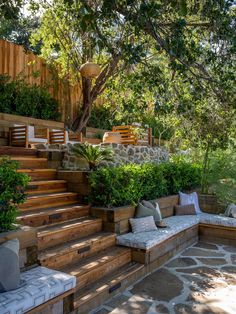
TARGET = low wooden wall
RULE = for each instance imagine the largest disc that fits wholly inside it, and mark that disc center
(27, 237)
(115, 219)
(77, 181)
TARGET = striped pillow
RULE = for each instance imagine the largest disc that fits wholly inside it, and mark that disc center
(142, 224)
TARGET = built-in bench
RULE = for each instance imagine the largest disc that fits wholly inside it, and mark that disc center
(155, 247)
(43, 290)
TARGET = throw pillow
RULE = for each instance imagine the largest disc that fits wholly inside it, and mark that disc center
(187, 199)
(185, 210)
(146, 208)
(9, 265)
(142, 224)
(231, 211)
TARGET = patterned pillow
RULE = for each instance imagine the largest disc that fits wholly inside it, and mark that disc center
(142, 224)
(9, 265)
(185, 210)
(187, 199)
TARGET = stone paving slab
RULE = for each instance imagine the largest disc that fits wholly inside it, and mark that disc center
(200, 280)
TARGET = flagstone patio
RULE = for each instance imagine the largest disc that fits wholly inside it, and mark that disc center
(202, 279)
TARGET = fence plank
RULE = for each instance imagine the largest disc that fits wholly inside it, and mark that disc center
(15, 61)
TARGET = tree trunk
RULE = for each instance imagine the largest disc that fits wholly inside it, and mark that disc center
(205, 170)
(80, 122)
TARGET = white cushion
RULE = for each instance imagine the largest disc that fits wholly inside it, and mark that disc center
(187, 199)
(42, 284)
(147, 240)
(143, 224)
(212, 219)
(37, 140)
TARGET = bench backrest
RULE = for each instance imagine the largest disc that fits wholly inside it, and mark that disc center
(167, 205)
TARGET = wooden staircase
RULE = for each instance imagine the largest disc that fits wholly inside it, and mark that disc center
(69, 239)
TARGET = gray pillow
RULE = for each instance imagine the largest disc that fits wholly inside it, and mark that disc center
(148, 208)
(9, 265)
(142, 224)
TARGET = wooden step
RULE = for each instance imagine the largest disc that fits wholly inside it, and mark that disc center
(31, 162)
(93, 268)
(17, 151)
(50, 236)
(49, 216)
(95, 294)
(40, 174)
(49, 200)
(73, 251)
(45, 187)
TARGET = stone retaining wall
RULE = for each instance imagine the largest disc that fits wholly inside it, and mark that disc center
(123, 154)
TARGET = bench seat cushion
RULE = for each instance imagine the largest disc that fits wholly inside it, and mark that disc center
(41, 285)
(147, 240)
(211, 219)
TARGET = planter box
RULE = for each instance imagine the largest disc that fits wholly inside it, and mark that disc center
(27, 237)
(115, 219)
(210, 204)
(77, 181)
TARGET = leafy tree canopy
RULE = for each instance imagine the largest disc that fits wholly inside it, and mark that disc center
(180, 46)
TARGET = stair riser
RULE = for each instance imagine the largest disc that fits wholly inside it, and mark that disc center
(48, 202)
(95, 300)
(64, 235)
(33, 164)
(54, 218)
(75, 256)
(46, 188)
(98, 272)
(42, 176)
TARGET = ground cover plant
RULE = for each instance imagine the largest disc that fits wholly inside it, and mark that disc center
(127, 184)
(12, 187)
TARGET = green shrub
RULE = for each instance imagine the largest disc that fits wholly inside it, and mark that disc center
(128, 184)
(18, 97)
(12, 185)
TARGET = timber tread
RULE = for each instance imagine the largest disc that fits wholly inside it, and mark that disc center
(49, 200)
(40, 217)
(93, 268)
(74, 250)
(17, 151)
(46, 187)
(40, 174)
(30, 162)
(96, 293)
(55, 234)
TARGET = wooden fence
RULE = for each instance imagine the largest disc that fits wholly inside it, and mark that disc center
(14, 61)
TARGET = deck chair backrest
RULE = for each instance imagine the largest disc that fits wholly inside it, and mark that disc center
(57, 137)
(18, 136)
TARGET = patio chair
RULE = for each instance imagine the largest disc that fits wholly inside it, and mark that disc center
(63, 137)
(24, 136)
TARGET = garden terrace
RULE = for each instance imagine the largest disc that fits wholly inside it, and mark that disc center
(90, 243)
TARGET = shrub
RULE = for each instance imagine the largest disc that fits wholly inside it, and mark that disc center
(128, 184)
(94, 155)
(12, 185)
(18, 97)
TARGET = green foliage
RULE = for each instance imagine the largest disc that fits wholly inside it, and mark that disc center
(18, 97)
(94, 155)
(12, 185)
(130, 183)
(221, 177)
